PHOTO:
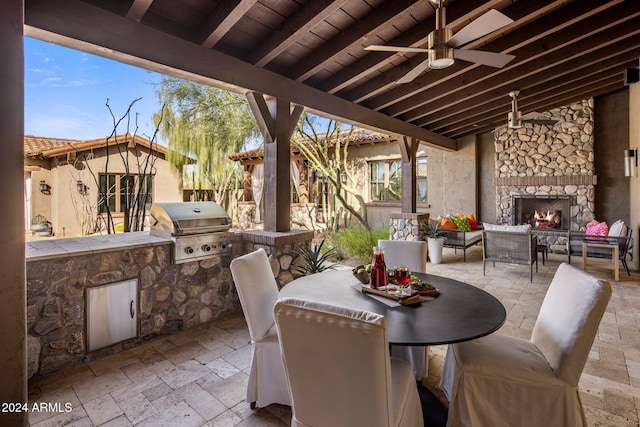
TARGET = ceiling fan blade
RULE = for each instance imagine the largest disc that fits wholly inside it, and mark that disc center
(380, 48)
(538, 119)
(492, 59)
(411, 75)
(483, 25)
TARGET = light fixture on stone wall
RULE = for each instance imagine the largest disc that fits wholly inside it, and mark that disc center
(630, 162)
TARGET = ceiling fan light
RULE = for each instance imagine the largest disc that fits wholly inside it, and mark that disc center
(440, 63)
(440, 55)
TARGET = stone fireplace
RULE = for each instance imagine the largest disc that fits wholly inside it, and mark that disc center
(550, 166)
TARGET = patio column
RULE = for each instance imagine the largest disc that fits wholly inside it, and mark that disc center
(277, 120)
(408, 150)
(13, 356)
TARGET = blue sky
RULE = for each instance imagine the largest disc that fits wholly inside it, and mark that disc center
(66, 91)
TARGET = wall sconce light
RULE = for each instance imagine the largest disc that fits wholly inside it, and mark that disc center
(82, 189)
(630, 162)
(44, 187)
(343, 178)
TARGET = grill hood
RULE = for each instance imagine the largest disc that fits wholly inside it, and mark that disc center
(187, 218)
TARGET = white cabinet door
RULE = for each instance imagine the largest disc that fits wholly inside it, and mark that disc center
(111, 314)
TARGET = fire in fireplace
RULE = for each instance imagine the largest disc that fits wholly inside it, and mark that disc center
(542, 211)
(548, 219)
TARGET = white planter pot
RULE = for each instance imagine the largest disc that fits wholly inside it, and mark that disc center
(435, 249)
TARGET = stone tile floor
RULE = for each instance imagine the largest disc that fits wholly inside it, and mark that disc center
(198, 377)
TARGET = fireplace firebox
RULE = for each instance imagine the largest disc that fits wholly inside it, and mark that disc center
(541, 212)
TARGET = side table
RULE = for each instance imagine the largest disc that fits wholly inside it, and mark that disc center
(614, 257)
(543, 249)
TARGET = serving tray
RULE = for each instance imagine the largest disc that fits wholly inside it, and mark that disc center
(415, 296)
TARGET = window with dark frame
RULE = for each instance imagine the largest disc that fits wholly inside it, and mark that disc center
(385, 180)
(115, 189)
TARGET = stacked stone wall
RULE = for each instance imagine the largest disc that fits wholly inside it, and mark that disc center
(549, 160)
(171, 297)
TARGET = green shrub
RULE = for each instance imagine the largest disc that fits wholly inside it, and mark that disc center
(357, 242)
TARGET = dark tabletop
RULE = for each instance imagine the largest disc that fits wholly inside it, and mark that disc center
(462, 312)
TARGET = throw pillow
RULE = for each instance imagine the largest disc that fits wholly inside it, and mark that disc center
(472, 222)
(595, 228)
(618, 229)
(447, 224)
(461, 222)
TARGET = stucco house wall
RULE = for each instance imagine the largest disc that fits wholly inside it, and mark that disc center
(65, 207)
(451, 177)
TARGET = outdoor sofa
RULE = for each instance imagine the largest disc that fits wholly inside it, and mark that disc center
(624, 242)
(460, 239)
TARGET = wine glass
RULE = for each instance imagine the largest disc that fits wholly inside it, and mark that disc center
(402, 274)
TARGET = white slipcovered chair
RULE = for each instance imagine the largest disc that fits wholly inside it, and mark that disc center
(339, 369)
(504, 381)
(413, 254)
(258, 292)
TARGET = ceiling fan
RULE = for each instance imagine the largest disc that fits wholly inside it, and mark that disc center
(516, 119)
(443, 43)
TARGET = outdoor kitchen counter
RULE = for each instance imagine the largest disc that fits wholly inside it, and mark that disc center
(39, 250)
(170, 297)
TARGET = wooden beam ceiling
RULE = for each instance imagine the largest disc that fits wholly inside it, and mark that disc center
(312, 53)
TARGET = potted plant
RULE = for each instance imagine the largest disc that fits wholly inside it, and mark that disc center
(435, 242)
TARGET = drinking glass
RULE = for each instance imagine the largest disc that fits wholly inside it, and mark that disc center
(402, 274)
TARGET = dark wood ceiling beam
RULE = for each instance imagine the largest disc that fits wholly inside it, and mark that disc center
(531, 92)
(457, 13)
(561, 46)
(540, 98)
(523, 43)
(353, 35)
(224, 16)
(138, 9)
(380, 93)
(71, 23)
(561, 101)
(620, 38)
(292, 29)
(591, 64)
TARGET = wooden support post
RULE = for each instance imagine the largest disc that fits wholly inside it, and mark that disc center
(277, 120)
(408, 149)
(13, 356)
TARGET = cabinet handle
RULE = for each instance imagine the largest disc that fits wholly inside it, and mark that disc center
(131, 309)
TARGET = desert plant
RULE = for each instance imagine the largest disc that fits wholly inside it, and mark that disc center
(432, 231)
(359, 242)
(313, 259)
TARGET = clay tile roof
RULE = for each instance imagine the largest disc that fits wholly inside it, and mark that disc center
(35, 145)
(38, 146)
(359, 136)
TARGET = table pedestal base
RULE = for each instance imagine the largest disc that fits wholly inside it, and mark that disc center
(433, 413)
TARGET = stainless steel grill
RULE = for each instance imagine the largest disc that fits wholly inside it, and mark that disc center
(196, 228)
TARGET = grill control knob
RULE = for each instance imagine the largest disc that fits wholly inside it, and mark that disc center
(188, 250)
(206, 248)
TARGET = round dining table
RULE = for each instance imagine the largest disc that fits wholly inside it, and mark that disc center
(461, 312)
